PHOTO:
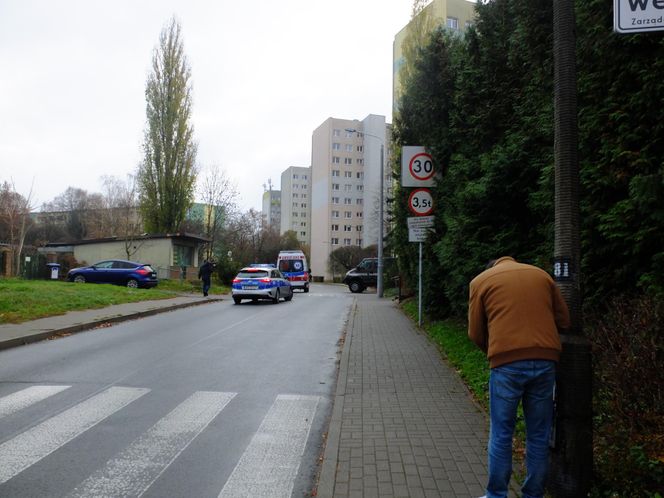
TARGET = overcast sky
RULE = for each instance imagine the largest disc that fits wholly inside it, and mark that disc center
(265, 74)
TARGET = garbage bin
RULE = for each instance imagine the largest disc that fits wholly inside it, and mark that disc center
(53, 270)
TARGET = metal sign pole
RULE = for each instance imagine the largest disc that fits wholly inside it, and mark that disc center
(419, 291)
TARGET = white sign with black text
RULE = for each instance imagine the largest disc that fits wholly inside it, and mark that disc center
(419, 227)
(638, 16)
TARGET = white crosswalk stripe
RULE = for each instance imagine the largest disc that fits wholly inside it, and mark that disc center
(27, 448)
(269, 466)
(135, 469)
(17, 401)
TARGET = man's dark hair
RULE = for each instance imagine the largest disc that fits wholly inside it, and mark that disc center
(490, 264)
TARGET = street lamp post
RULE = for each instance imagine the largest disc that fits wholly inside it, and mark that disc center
(379, 280)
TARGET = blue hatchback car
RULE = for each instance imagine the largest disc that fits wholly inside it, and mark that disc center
(116, 271)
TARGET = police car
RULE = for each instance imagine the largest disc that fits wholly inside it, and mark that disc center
(261, 283)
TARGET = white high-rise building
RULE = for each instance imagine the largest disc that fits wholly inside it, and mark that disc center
(345, 185)
(272, 208)
(296, 202)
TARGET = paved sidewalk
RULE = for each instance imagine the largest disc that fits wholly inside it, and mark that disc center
(403, 424)
(12, 335)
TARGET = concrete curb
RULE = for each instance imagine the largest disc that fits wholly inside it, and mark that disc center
(325, 488)
(40, 336)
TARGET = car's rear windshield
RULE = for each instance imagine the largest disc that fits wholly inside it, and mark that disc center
(291, 265)
(253, 274)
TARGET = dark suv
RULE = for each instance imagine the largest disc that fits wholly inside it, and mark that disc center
(366, 274)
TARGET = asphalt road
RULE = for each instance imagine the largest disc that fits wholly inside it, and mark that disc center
(216, 400)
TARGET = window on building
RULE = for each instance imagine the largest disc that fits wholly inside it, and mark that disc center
(303, 224)
(346, 242)
(335, 227)
(336, 133)
(335, 241)
(453, 23)
(304, 205)
(335, 214)
(295, 196)
(360, 148)
(360, 175)
(350, 134)
(336, 172)
(360, 161)
(336, 146)
(348, 160)
(295, 204)
(359, 242)
(348, 148)
(348, 200)
(295, 177)
(358, 228)
(359, 202)
(348, 174)
(304, 196)
(360, 188)
(303, 234)
(359, 214)
(348, 214)
(294, 215)
(348, 228)
(335, 186)
(335, 200)
(304, 177)
(336, 160)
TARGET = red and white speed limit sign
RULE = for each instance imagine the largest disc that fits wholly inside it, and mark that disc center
(420, 202)
(417, 167)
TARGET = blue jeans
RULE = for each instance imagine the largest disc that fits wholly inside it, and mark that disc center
(532, 382)
(206, 286)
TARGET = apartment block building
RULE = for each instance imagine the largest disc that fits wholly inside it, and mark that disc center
(271, 211)
(345, 185)
(296, 202)
(455, 15)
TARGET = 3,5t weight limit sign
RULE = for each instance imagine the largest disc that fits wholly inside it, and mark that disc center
(420, 202)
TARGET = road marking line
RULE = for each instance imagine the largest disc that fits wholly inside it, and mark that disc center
(29, 447)
(269, 466)
(137, 467)
(29, 396)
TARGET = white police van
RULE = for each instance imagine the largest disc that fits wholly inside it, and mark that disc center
(293, 265)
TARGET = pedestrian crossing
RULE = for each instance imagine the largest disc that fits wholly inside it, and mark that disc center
(267, 468)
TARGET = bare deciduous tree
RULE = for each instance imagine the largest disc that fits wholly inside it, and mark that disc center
(14, 220)
(219, 194)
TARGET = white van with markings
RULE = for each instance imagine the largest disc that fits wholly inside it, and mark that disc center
(293, 265)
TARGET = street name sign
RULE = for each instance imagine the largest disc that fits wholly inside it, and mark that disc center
(417, 167)
(638, 16)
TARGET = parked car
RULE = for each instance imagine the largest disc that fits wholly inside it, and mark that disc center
(116, 271)
(366, 273)
(261, 283)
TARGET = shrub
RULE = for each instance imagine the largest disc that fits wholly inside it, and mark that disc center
(628, 355)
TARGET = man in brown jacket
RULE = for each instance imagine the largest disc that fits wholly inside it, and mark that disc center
(515, 313)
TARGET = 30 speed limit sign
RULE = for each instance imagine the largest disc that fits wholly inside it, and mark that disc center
(417, 167)
(420, 202)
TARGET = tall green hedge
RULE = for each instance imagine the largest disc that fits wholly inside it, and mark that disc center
(483, 105)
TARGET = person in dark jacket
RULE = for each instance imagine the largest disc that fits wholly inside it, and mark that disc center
(515, 314)
(204, 273)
